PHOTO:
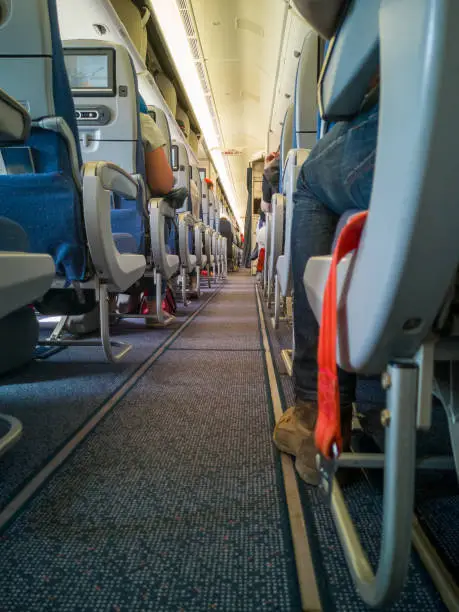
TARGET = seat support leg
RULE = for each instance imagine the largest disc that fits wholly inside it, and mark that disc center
(446, 389)
(55, 339)
(107, 342)
(277, 303)
(198, 282)
(13, 435)
(400, 454)
(184, 275)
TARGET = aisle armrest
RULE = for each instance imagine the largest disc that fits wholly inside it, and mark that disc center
(24, 277)
(118, 270)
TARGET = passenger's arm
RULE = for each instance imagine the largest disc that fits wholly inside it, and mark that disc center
(323, 15)
(160, 177)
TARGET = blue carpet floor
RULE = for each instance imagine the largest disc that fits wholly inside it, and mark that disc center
(53, 398)
(175, 502)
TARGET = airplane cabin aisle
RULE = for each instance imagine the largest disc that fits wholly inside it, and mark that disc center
(175, 500)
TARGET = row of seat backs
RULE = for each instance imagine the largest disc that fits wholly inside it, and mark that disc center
(108, 120)
(299, 127)
(47, 201)
(117, 137)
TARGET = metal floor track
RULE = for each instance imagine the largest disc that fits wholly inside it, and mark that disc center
(176, 500)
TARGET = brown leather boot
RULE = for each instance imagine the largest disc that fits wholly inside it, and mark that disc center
(305, 463)
(295, 424)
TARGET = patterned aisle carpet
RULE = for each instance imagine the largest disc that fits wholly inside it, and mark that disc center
(175, 502)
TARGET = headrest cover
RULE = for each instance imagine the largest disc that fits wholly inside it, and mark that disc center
(321, 15)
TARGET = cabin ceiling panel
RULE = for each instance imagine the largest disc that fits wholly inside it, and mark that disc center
(241, 43)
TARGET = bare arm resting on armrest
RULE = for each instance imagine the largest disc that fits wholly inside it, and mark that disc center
(160, 178)
(322, 15)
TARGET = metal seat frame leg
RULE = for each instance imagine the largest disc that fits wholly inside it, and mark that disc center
(13, 435)
(383, 588)
(105, 341)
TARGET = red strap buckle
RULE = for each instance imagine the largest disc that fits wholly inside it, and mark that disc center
(328, 428)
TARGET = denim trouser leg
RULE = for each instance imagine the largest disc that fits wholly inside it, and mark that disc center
(337, 177)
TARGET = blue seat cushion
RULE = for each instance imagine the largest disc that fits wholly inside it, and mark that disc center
(49, 209)
(126, 219)
(125, 243)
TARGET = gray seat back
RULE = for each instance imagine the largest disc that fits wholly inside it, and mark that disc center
(287, 134)
(409, 253)
(160, 118)
(30, 55)
(107, 109)
(197, 179)
(182, 171)
(352, 60)
(305, 109)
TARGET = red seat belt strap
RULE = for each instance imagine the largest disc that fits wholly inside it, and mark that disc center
(328, 428)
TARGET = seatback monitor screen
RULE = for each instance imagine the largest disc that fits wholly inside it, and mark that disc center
(91, 72)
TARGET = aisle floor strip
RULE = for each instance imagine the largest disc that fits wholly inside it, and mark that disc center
(18, 502)
(306, 577)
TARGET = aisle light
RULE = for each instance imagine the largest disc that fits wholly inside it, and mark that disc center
(171, 24)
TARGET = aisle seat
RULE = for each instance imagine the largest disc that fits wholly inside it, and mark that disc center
(24, 277)
(396, 293)
(303, 125)
(63, 206)
(116, 134)
(186, 219)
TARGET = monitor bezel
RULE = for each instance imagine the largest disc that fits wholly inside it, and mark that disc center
(104, 92)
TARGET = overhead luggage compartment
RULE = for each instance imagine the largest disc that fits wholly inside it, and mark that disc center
(135, 22)
(167, 90)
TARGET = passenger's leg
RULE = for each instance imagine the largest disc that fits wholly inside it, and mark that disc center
(336, 177)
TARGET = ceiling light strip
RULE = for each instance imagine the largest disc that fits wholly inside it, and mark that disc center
(170, 19)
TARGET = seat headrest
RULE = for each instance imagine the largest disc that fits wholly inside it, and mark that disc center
(305, 113)
(322, 16)
(351, 63)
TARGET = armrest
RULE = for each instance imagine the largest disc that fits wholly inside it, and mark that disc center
(120, 270)
(116, 180)
(163, 206)
(61, 127)
(176, 198)
(188, 219)
(24, 277)
(15, 121)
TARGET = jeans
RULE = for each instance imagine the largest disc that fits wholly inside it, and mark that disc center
(336, 177)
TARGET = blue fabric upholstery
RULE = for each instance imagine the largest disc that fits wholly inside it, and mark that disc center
(127, 216)
(127, 219)
(143, 108)
(48, 207)
(46, 203)
(63, 100)
(125, 243)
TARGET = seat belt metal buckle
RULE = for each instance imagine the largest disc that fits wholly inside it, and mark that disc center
(327, 468)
